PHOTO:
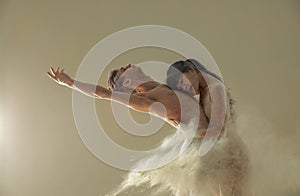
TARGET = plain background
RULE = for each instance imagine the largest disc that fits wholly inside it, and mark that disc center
(255, 43)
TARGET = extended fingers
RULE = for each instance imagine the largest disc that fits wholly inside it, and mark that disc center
(52, 71)
(57, 71)
(51, 76)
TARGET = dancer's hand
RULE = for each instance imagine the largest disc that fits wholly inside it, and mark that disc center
(60, 77)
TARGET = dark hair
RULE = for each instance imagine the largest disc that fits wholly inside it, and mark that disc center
(176, 69)
(174, 73)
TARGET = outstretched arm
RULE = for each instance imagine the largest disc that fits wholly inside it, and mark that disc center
(139, 102)
(89, 89)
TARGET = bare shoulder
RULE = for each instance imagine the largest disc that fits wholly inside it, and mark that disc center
(160, 91)
(165, 94)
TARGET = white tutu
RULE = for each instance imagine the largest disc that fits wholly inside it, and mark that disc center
(223, 169)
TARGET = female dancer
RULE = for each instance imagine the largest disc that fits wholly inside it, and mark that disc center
(231, 168)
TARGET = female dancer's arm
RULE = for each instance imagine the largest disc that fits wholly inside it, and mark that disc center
(218, 98)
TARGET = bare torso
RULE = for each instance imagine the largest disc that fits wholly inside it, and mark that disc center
(180, 107)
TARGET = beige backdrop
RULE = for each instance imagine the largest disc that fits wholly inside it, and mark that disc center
(255, 43)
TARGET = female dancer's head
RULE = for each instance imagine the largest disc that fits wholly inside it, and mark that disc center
(187, 76)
